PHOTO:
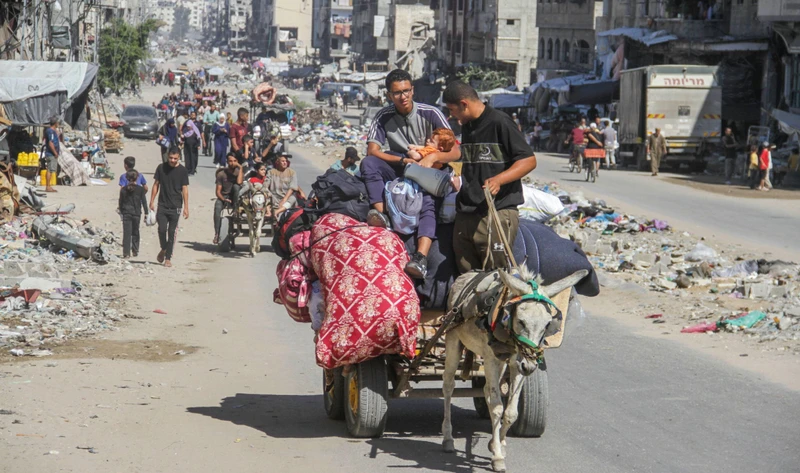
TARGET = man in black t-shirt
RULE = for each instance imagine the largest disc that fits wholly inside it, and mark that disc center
(171, 184)
(495, 156)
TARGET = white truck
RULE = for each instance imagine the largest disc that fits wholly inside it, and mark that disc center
(684, 101)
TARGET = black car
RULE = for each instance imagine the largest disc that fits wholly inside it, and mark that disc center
(140, 121)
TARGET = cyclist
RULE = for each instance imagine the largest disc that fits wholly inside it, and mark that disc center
(577, 138)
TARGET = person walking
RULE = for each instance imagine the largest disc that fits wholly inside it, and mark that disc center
(610, 142)
(220, 130)
(753, 172)
(360, 99)
(730, 145)
(167, 138)
(132, 200)
(656, 149)
(764, 166)
(345, 100)
(339, 101)
(171, 185)
(191, 143)
(537, 136)
(210, 118)
(52, 148)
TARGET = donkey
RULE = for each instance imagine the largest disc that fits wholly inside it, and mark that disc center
(529, 322)
(255, 203)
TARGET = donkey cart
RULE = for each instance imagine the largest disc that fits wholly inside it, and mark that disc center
(360, 393)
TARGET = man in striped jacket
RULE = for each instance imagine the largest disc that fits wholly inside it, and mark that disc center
(401, 124)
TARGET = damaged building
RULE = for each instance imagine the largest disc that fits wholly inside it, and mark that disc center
(654, 32)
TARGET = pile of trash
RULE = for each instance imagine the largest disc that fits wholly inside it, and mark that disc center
(42, 301)
(650, 254)
(323, 129)
(314, 117)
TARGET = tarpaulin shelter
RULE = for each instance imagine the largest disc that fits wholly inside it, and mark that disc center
(33, 91)
(504, 98)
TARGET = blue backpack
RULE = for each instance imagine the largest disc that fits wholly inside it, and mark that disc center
(403, 204)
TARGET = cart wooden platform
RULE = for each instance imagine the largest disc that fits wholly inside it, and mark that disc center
(359, 396)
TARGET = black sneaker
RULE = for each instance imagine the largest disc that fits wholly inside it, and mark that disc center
(377, 219)
(417, 268)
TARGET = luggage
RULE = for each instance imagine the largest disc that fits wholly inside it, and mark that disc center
(290, 223)
(295, 279)
(371, 308)
(403, 199)
(338, 191)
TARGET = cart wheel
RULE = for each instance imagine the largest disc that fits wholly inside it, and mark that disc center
(533, 402)
(333, 394)
(367, 391)
(481, 407)
(571, 165)
(225, 240)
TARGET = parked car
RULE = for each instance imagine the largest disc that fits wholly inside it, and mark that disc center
(329, 88)
(140, 121)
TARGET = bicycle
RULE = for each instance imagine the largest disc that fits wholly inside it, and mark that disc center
(591, 158)
(576, 159)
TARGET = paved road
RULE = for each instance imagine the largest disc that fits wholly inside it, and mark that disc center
(769, 224)
(619, 403)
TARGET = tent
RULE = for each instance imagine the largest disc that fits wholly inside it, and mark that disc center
(33, 91)
(216, 71)
(504, 98)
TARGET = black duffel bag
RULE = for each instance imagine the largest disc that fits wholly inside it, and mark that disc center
(338, 191)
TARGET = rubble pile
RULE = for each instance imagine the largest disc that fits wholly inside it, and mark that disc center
(713, 291)
(314, 117)
(49, 291)
(322, 128)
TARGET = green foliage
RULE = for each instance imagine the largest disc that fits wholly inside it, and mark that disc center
(300, 105)
(484, 79)
(181, 25)
(120, 51)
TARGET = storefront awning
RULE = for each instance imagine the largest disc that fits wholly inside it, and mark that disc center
(642, 35)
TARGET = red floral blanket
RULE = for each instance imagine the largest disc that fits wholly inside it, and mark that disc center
(372, 308)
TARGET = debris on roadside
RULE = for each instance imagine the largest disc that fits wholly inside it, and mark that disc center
(42, 302)
(714, 290)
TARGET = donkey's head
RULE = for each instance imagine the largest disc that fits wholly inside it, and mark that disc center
(529, 317)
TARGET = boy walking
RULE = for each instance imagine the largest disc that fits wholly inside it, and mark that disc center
(495, 156)
(171, 184)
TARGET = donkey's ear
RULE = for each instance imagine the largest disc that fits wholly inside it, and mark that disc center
(517, 286)
(562, 284)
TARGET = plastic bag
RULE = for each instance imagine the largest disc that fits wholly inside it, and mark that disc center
(702, 327)
(539, 206)
(701, 252)
(746, 321)
(316, 305)
(744, 268)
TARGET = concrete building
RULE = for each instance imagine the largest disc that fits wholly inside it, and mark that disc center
(163, 10)
(332, 29)
(566, 37)
(371, 32)
(239, 13)
(501, 33)
(781, 98)
(725, 34)
(282, 28)
(197, 13)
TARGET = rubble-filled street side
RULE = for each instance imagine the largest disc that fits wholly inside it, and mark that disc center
(61, 279)
(702, 289)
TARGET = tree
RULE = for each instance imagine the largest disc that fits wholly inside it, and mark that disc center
(121, 50)
(484, 79)
(181, 25)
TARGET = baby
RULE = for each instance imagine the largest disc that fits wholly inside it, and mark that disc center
(442, 140)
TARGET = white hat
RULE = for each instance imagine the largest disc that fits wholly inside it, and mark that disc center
(593, 125)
